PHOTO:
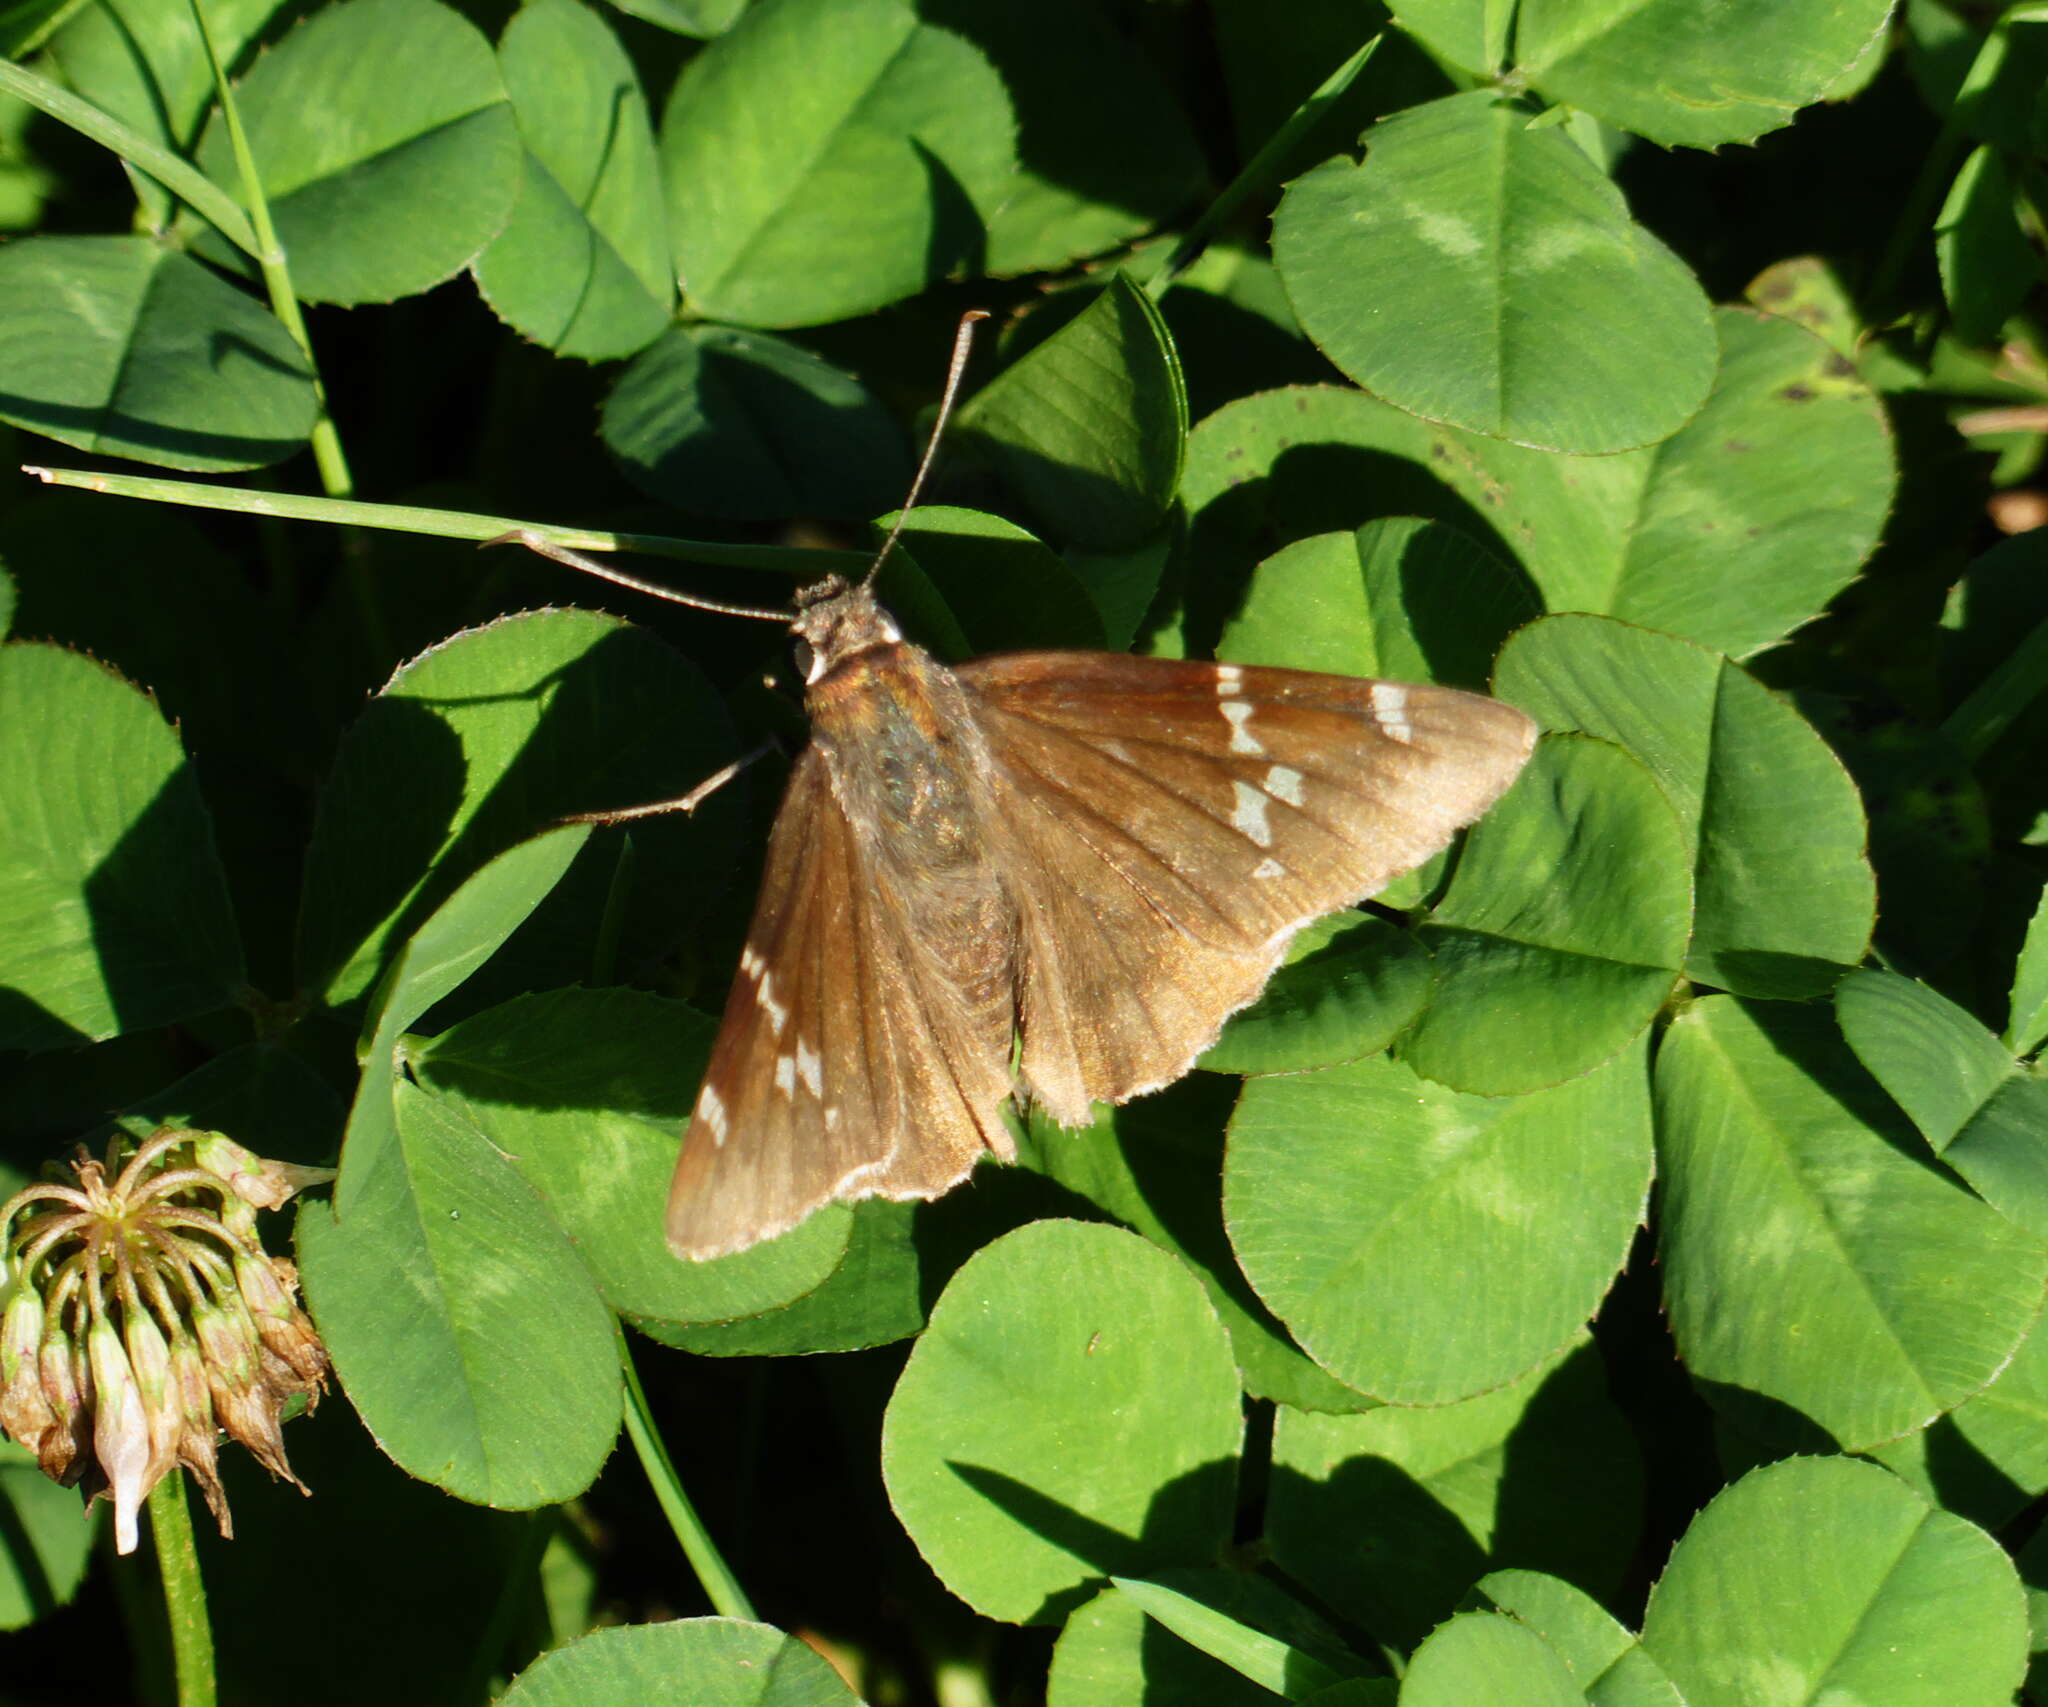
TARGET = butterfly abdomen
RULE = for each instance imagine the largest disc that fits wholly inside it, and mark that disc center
(910, 768)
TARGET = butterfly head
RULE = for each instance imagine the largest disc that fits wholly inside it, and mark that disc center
(834, 620)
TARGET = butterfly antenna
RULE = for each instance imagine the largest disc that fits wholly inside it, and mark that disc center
(605, 572)
(963, 341)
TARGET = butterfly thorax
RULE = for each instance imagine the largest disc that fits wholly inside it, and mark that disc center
(910, 767)
(894, 728)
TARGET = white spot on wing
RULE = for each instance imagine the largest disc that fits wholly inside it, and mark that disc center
(807, 1064)
(1390, 706)
(1269, 868)
(1249, 816)
(1284, 784)
(711, 1110)
(785, 1075)
(1228, 677)
(750, 962)
(1238, 713)
(831, 1118)
(777, 1013)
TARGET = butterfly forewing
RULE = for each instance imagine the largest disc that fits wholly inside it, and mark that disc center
(1170, 825)
(1260, 793)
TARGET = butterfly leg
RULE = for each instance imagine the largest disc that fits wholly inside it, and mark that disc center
(684, 803)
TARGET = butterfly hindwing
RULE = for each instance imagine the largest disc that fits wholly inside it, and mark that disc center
(842, 1067)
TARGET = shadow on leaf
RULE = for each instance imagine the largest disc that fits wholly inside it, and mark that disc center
(1185, 1524)
(610, 733)
(1309, 489)
(1394, 1554)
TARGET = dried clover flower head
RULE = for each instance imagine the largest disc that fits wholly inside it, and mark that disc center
(141, 1315)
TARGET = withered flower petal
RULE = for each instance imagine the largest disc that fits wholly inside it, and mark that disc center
(249, 1414)
(283, 1326)
(120, 1433)
(196, 1437)
(253, 1178)
(25, 1411)
(149, 1356)
(66, 1447)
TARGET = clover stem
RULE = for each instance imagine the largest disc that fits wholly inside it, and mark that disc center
(184, 1591)
(721, 1587)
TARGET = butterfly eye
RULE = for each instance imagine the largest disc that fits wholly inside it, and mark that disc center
(806, 659)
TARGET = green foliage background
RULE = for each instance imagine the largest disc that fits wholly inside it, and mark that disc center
(1606, 1269)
